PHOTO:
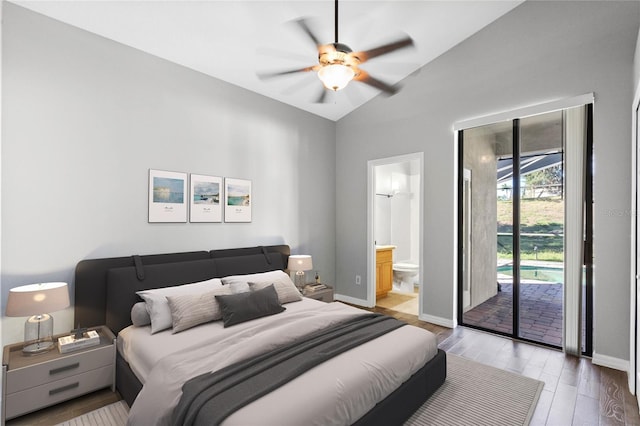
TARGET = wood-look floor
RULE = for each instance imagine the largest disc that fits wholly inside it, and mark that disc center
(576, 392)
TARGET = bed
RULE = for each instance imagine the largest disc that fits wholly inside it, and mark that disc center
(398, 370)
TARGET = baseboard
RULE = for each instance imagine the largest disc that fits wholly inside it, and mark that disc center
(610, 362)
(352, 300)
(444, 322)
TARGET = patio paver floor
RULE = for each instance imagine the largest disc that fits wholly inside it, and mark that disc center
(540, 312)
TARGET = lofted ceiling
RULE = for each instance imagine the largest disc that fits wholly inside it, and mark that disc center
(234, 40)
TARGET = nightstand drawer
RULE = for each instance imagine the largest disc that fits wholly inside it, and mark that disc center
(324, 295)
(32, 399)
(50, 371)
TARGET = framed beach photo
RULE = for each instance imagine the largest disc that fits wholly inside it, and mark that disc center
(237, 200)
(206, 198)
(167, 196)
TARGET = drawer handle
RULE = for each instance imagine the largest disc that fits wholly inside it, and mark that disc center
(64, 388)
(63, 369)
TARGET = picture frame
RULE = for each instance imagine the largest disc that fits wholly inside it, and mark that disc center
(237, 200)
(205, 198)
(167, 196)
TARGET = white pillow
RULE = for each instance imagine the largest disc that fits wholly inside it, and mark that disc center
(286, 289)
(189, 310)
(158, 306)
(240, 283)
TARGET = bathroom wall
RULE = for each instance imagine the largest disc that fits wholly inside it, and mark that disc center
(396, 217)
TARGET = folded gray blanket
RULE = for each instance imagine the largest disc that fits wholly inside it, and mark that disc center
(211, 397)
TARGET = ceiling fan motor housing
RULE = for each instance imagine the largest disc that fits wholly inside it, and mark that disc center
(337, 54)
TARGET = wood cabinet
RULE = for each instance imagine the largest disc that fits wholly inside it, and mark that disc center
(34, 382)
(384, 271)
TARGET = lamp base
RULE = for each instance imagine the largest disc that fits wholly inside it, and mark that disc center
(37, 348)
(299, 281)
(38, 334)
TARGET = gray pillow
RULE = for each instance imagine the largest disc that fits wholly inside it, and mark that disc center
(158, 307)
(241, 307)
(189, 310)
(286, 290)
(139, 315)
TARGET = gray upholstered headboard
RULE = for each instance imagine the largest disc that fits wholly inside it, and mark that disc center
(105, 288)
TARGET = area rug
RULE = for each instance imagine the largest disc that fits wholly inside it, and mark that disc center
(477, 394)
(473, 394)
(110, 415)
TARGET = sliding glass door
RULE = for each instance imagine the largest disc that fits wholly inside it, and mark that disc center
(513, 215)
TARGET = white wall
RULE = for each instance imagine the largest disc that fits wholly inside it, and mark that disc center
(539, 52)
(84, 118)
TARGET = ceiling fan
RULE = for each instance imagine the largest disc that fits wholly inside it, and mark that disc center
(338, 64)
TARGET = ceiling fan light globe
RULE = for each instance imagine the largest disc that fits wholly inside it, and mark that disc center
(336, 77)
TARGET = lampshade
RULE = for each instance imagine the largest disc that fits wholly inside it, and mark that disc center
(336, 76)
(37, 300)
(300, 262)
(34, 299)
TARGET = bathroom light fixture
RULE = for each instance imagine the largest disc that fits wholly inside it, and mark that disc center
(33, 300)
(300, 263)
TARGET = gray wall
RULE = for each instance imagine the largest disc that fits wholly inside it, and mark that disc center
(636, 65)
(84, 118)
(539, 52)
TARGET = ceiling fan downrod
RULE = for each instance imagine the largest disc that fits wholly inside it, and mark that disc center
(336, 21)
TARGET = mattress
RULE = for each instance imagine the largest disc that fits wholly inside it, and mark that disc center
(336, 392)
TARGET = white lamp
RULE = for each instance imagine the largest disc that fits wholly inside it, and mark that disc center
(300, 263)
(336, 76)
(35, 300)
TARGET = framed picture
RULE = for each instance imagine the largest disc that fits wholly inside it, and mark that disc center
(237, 200)
(167, 196)
(206, 197)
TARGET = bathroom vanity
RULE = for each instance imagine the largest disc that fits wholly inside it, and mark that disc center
(384, 270)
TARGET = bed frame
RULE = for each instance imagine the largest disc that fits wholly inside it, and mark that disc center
(105, 291)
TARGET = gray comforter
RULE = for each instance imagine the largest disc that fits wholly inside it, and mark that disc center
(162, 390)
(209, 398)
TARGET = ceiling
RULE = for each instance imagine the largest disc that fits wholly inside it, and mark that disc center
(234, 40)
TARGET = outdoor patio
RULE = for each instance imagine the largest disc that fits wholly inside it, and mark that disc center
(540, 312)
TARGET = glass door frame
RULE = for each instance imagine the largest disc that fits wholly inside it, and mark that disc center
(587, 320)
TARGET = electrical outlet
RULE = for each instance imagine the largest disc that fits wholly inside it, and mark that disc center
(358, 280)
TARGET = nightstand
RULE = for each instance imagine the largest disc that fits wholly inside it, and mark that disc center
(32, 382)
(324, 295)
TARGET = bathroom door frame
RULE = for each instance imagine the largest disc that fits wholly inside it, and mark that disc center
(371, 248)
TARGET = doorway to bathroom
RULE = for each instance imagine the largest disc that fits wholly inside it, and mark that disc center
(395, 217)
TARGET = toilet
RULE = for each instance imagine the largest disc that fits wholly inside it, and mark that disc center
(404, 276)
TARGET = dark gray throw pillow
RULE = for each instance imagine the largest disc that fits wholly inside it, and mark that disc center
(241, 307)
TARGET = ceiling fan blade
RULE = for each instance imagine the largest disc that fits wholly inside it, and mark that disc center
(304, 26)
(384, 49)
(285, 54)
(302, 82)
(365, 78)
(322, 97)
(268, 75)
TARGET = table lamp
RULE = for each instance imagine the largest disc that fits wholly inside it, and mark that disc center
(34, 300)
(300, 263)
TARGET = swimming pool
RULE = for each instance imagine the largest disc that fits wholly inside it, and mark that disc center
(540, 273)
